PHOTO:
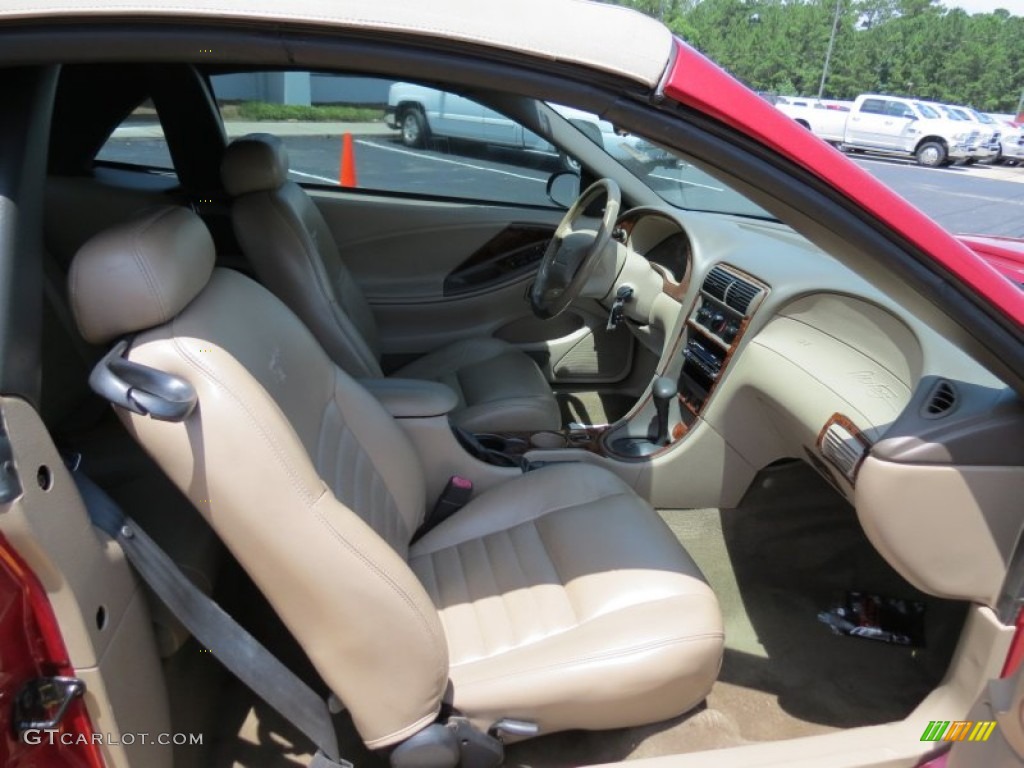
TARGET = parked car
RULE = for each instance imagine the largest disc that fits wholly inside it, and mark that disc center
(891, 125)
(825, 118)
(908, 127)
(421, 113)
(1011, 140)
(988, 144)
(643, 432)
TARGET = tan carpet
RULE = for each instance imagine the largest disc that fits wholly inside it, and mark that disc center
(592, 407)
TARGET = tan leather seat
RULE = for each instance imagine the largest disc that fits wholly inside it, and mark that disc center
(559, 597)
(294, 253)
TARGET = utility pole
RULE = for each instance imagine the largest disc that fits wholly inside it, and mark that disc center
(828, 53)
(1020, 105)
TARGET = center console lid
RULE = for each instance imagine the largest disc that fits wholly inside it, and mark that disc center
(412, 398)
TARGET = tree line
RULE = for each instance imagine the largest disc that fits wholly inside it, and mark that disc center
(905, 47)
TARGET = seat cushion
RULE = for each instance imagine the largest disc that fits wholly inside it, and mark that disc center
(500, 388)
(567, 601)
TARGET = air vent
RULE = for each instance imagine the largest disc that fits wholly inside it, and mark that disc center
(941, 401)
(740, 294)
(717, 283)
(731, 290)
(843, 449)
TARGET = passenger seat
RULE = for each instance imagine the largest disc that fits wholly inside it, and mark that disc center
(558, 599)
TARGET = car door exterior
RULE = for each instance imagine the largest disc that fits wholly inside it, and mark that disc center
(456, 116)
(881, 123)
(865, 125)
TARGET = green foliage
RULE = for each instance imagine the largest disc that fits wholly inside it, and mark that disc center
(260, 110)
(908, 47)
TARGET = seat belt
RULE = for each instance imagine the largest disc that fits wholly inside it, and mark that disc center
(226, 639)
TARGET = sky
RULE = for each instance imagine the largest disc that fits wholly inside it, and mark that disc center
(1016, 7)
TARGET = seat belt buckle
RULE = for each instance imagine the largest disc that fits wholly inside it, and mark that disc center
(456, 494)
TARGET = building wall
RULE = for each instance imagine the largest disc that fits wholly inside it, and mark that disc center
(300, 88)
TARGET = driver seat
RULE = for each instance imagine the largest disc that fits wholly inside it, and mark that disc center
(287, 241)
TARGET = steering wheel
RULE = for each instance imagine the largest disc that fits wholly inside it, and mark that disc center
(574, 250)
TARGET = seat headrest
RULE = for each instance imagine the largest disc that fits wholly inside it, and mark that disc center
(254, 163)
(139, 274)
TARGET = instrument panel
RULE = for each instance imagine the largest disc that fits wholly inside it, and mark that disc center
(660, 239)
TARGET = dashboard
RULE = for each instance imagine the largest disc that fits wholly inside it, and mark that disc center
(779, 352)
(661, 239)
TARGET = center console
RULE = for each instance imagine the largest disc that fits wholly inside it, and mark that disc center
(719, 317)
(711, 333)
(714, 327)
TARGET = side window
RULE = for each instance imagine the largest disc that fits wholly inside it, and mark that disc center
(139, 140)
(405, 138)
(898, 109)
(873, 106)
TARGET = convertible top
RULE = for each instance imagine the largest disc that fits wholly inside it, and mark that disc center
(606, 37)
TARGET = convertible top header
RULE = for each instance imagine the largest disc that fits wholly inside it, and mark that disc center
(606, 37)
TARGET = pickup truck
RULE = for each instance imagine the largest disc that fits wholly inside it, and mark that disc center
(1011, 140)
(422, 113)
(892, 125)
(826, 119)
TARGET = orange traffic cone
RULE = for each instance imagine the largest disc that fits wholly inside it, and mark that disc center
(347, 172)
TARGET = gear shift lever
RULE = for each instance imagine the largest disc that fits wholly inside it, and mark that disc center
(664, 390)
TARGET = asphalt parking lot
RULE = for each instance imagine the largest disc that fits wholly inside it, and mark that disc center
(976, 199)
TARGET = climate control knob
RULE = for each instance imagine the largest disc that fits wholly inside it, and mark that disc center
(718, 322)
(730, 332)
(704, 315)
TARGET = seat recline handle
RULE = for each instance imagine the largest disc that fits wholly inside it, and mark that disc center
(141, 389)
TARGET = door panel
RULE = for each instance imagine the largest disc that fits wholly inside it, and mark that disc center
(994, 734)
(436, 272)
(98, 604)
(400, 248)
(402, 252)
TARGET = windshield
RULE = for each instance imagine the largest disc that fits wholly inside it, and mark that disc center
(927, 111)
(686, 186)
(670, 175)
(982, 117)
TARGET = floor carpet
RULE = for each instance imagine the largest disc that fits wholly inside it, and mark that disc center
(591, 407)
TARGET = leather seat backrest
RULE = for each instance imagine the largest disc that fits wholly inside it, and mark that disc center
(293, 252)
(299, 470)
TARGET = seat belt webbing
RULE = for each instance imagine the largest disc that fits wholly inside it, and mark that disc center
(233, 646)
